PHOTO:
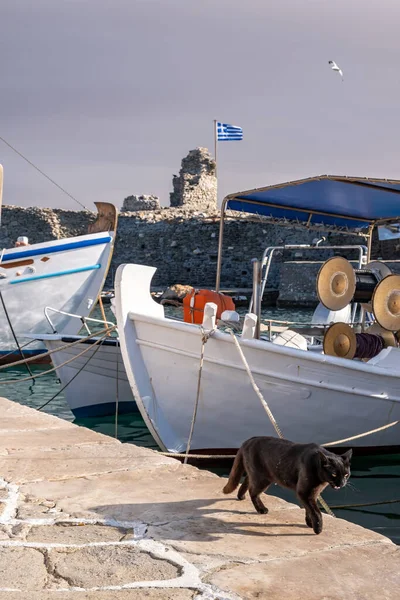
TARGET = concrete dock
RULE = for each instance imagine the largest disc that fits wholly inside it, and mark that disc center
(84, 516)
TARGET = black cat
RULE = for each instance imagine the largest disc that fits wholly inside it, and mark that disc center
(305, 468)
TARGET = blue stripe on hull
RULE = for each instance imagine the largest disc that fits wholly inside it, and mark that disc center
(105, 410)
(25, 352)
(56, 274)
(58, 248)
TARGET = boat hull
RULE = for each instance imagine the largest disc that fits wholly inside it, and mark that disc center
(94, 381)
(66, 275)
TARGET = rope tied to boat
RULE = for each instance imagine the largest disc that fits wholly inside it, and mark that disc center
(50, 352)
(256, 388)
(232, 456)
(205, 336)
(97, 344)
(13, 332)
(66, 362)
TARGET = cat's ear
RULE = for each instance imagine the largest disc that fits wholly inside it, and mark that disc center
(323, 458)
(347, 456)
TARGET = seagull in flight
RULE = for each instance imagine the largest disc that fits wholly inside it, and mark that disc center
(334, 67)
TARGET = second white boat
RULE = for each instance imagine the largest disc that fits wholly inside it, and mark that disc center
(95, 383)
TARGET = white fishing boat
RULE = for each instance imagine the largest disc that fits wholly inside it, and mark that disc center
(312, 395)
(67, 274)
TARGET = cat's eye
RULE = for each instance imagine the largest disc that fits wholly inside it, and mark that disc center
(346, 476)
(333, 474)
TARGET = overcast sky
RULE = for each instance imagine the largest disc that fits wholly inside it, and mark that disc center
(107, 96)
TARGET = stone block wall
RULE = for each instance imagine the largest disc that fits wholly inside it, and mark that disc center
(143, 202)
(41, 224)
(386, 249)
(183, 245)
(298, 284)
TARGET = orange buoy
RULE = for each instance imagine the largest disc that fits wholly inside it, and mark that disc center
(194, 303)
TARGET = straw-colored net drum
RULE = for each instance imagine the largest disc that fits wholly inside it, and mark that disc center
(338, 283)
(386, 303)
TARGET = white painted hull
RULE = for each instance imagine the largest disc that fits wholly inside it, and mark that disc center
(312, 396)
(93, 391)
(65, 274)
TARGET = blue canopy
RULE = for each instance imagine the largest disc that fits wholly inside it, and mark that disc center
(330, 200)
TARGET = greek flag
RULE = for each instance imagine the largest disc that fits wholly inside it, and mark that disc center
(228, 133)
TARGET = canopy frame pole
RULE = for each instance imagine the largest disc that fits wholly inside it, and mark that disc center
(369, 185)
(257, 294)
(220, 239)
(369, 246)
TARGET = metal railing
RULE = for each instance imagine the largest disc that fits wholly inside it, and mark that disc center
(84, 320)
(260, 280)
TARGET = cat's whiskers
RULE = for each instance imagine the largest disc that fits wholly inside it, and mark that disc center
(352, 486)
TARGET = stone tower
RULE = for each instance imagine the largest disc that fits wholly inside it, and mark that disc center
(196, 185)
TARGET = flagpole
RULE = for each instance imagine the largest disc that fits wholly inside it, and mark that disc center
(215, 154)
(215, 145)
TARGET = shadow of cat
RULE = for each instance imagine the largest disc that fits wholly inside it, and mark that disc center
(205, 520)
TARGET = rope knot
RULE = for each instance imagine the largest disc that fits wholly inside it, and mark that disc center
(205, 335)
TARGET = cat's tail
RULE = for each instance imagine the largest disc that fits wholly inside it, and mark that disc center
(235, 474)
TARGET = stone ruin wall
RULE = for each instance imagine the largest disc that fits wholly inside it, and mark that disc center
(182, 241)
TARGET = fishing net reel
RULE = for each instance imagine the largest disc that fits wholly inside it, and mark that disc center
(375, 287)
(342, 341)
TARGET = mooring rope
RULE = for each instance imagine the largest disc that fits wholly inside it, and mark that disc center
(205, 336)
(48, 371)
(103, 314)
(97, 343)
(360, 435)
(363, 504)
(256, 388)
(50, 352)
(231, 456)
(4, 356)
(14, 336)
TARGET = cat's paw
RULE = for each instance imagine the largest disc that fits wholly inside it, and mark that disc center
(317, 528)
(262, 511)
(308, 522)
(241, 497)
